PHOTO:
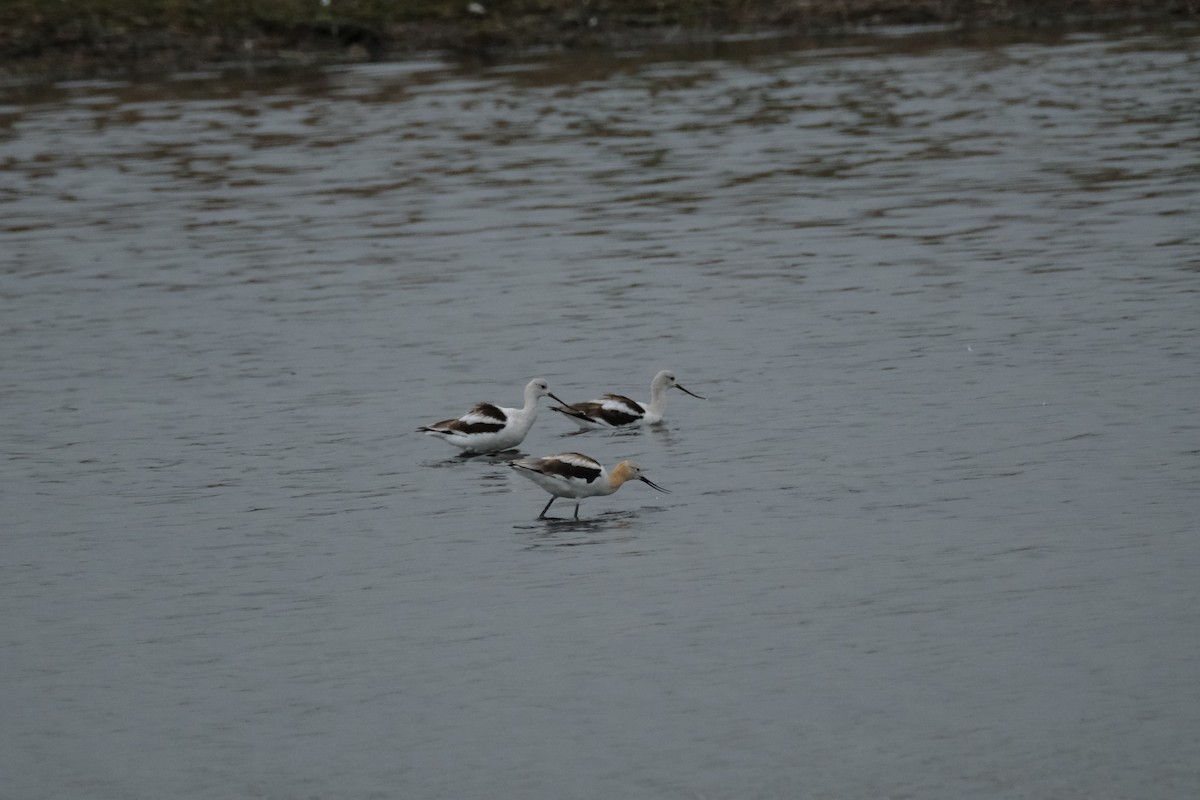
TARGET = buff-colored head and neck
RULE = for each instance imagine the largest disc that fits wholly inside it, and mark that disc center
(629, 471)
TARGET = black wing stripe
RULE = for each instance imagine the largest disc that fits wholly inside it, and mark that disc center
(614, 417)
(490, 411)
(458, 426)
(569, 470)
(620, 398)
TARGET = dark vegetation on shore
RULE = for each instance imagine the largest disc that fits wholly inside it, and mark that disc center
(146, 36)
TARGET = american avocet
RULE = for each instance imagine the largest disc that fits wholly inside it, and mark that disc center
(487, 428)
(576, 475)
(618, 411)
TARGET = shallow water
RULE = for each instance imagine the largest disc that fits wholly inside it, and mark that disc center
(932, 533)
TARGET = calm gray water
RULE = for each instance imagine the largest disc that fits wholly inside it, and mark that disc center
(933, 534)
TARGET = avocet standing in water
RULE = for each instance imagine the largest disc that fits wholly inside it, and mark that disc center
(618, 411)
(575, 475)
(487, 428)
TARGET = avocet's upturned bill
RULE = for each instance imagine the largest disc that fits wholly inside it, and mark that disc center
(618, 411)
(488, 428)
(577, 476)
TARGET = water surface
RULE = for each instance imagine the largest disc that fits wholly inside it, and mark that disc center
(932, 534)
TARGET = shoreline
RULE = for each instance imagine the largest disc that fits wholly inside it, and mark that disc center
(125, 38)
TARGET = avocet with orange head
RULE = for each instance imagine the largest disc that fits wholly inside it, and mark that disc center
(577, 476)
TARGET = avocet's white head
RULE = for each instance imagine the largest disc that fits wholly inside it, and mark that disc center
(538, 387)
(666, 380)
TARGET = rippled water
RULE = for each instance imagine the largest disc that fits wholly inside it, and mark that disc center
(932, 534)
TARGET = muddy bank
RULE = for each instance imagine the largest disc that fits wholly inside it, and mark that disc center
(130, 37)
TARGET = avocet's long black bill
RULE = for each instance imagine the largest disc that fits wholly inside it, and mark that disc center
(556, 398)
(570, 412)
(652, 484)
(685, 391)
